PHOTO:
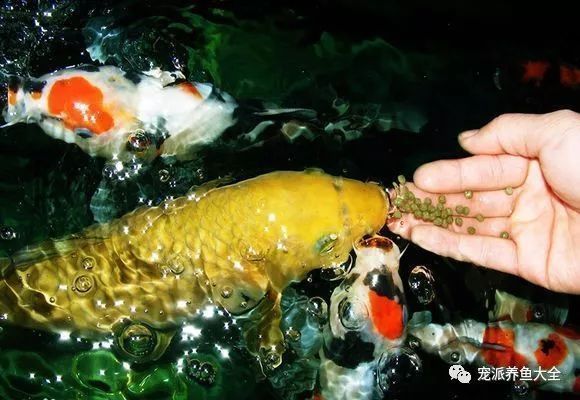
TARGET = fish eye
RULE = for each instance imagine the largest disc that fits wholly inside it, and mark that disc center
(326, 244)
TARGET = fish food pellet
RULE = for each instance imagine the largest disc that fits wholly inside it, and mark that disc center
(468, 194)
(458, 221)
(509, 190)
(427, 201)
(441, 199)
(401, 179)
(479, 217)
(438, 221)
(465, 210)
(449, 220)
(504, 235)
(397, 214)
(459, 209)
(471, 230)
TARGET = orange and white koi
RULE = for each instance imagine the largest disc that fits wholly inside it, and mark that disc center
(508, 345)
(115, 114)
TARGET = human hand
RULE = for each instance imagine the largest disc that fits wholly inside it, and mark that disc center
(539, 157)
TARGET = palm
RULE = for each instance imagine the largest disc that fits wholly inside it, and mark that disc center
(534, 154)
(539, 223)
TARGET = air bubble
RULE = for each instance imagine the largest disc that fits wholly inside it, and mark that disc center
(226, 292)
(164, 175)
(520, 388)
(137, 340)
(203, 373)
(318, 308)
(88, 262)
(422, 284)
(7, 233)
(352, 314)
(138, 141)
(397, 369)
(83, 283)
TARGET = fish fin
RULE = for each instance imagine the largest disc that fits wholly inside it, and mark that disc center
(201, 190)
(300, 113)
(49, 249)
(404, 250)
(8, 124)
(420, 318)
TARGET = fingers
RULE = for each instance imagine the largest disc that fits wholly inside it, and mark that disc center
(491, 227)
(518, 134)
(496, 253)
(489, 204)
(482, 172)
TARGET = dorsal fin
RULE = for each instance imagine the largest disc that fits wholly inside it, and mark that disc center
(200, 190)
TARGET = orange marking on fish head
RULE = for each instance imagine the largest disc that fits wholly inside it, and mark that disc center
(36, 95)
(191, 89)
(80, 105)
(11, 97)
(551, 351)
(534, 71)
(505, 357)
(387, 315)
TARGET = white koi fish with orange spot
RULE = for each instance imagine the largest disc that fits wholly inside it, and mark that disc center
(115, 114)
(505, 344)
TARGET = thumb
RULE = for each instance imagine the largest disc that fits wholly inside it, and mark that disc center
(523, 135)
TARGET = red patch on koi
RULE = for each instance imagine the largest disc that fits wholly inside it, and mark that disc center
(386, 315)
(11, 97)
(569, 76)
(576, 387)
(191, 89)
(534, 71)
(567, 332)
(79, 104)
(506, 357)
(551, 351)
(377, 241)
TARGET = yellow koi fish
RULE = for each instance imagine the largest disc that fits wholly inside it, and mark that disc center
(237, 246)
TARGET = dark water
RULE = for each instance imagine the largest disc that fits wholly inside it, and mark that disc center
(436, 69)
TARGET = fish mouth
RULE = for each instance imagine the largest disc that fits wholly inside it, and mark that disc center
(376, 241)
